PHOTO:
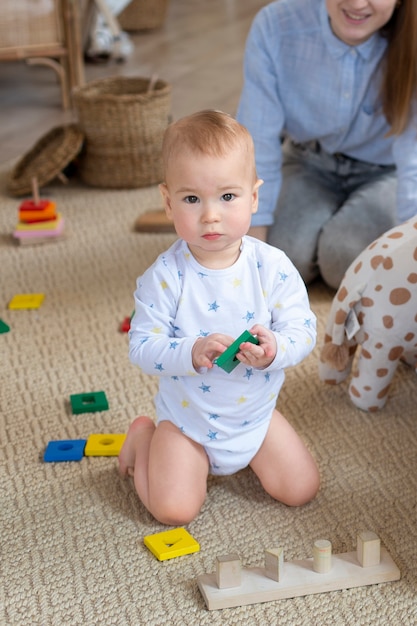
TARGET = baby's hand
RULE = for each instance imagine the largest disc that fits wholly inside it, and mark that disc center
(206, 349)
(260, 355)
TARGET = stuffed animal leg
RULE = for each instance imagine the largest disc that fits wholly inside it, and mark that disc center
(375, 308)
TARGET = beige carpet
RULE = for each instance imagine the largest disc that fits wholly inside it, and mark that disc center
(72, 534)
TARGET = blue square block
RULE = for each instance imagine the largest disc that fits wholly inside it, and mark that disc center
(65, 450)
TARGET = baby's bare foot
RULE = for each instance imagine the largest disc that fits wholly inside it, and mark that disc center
(128, 452)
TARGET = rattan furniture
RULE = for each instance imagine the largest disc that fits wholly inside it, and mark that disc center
(44, 32)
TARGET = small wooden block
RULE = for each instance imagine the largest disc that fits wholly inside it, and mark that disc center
(322, 556)
(154, 221)
(103, 444)
(228, 571)
(368, 548)
(4, 328)
(89, 402)
(274, 563)
(299, 580)
(26, 301)
(228, 360)
(38, 215)
(171, 543)
(64, 450)
(32, 205)
(125, 325)
(36, 226)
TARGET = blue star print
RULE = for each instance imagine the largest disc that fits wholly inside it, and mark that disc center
(249, 373)
(212, 434)
(213, 306)
(283, 276)
(173, 345)
(249, 316)
(204, 388)
(307, 323)
(213, 416)
(159, 367)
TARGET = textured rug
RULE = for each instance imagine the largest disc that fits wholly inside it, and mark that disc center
(72, 534)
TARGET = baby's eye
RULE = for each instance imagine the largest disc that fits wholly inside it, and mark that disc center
(191, 199)
(228, 196)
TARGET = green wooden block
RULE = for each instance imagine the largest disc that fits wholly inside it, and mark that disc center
(228, 360)
(4, 328)
(89, 402)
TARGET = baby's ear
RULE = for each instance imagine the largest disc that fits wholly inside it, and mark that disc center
(255, 194)
(165, 198)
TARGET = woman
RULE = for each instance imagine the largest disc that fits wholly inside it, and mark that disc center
(329, 98)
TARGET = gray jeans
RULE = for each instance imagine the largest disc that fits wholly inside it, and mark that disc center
(330, 208)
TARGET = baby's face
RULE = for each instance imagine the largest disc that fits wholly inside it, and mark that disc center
(211, 200)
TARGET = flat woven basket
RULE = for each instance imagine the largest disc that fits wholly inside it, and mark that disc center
(143, 15)
(123, 120)
(48, 157)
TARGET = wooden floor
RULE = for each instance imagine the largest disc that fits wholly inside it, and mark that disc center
(199, 51)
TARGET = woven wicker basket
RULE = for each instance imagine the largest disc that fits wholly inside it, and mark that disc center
(51, 154)
(143, 14)
(123, 120)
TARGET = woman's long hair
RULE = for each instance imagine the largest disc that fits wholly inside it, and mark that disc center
(399, 83)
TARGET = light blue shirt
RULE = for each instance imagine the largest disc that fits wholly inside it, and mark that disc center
(302, 81)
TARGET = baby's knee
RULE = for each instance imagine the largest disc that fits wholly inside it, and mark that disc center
(175, 513)
(303, 492)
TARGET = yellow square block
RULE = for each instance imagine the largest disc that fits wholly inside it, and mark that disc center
(26, 301)
(171, 543)
(103, 444)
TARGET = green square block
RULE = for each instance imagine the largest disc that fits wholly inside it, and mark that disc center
(228, 360)
(89, 402)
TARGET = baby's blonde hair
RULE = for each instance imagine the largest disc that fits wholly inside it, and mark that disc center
(209, 132)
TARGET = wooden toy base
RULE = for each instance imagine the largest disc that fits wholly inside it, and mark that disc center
(154, 221)
(299, 579)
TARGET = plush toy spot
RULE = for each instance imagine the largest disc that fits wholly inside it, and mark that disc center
(376, 260)
(395, 353)
(388, 321)
(354, 392)
(399, 296)
(383, 392)
(340, 317)
(395, 235)
(341, 294)
(381, 372)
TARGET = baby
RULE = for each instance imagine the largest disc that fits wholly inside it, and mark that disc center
(212, 284)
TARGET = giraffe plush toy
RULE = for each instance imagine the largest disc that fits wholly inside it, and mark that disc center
(375, 307)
